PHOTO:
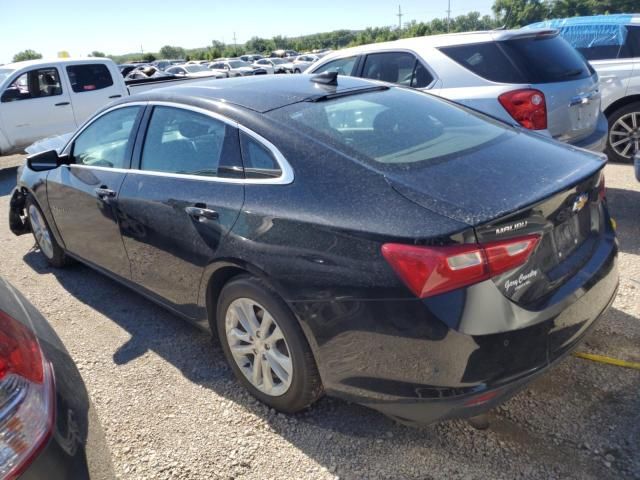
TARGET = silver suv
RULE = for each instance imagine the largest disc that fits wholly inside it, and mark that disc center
(611, 43)
(531, 76)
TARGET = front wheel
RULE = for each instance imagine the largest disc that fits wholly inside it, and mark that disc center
(265, 346)
(623, 141)
(44, 238)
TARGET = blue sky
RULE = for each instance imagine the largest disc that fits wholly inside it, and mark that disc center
(116, 26)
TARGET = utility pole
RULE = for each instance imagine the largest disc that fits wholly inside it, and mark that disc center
(399, 15)
(449, 16)
(235, 45)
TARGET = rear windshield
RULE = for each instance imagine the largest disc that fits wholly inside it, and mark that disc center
(544, 59)
(392, 129)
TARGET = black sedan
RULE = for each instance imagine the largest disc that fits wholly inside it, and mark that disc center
(48, 428)
(339, 235)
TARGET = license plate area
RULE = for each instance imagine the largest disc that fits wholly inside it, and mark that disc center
(584, 116)
(570, 234)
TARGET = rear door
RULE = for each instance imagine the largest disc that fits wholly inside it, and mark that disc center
(83, 196)
(178, 206)
(36, 105)
(93, 86)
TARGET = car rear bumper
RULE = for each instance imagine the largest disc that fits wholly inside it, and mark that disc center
(597, 141)
(401, 358)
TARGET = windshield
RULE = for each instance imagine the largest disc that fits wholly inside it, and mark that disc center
(238, 64)
(278, 61)
(195, 68)
(392, 129)
(5, 73)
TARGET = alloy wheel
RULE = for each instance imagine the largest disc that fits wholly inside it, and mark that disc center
(258, 347)
(40, 231)
(624, 136)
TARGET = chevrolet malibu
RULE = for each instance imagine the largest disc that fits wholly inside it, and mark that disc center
(339, 235)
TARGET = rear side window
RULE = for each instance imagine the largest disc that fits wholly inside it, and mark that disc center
(344, 66)
(396, 67)
(258, 160)
(544, 59)
(87, 78)
(182, 141)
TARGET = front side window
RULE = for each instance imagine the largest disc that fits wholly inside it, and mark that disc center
(396, 67)
(185, 142)
(344, 66)
(108, 140)
(87, 78)
(39, 83)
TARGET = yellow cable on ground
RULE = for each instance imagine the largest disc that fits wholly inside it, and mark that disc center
(607, 360)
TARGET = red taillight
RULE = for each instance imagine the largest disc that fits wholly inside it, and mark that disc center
(602, 188)
(482, 398)
(26, 397)
(429, 271)
(528, 107)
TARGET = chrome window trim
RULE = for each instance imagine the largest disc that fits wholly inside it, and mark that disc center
(285, 178)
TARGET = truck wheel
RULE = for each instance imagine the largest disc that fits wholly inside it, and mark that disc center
(624, 133)
(44, 238)
(265, 346)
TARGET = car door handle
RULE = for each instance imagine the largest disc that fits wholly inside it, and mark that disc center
(103, 192)
(115, 96)
(62, 104)
(201, 213)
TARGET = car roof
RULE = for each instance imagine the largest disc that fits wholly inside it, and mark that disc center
(260, 93)
(435, 41)
(617, 19)
(59, 61)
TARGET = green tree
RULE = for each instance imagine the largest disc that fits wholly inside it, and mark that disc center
(26, 55)
(172, 52)
(97, 53)
(518, 13)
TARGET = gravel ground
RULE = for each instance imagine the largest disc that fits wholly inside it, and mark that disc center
(172, 409)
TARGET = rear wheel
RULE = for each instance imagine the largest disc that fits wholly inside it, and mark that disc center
(44, 238)
(265, 346)
(624, 133)
(297, 70)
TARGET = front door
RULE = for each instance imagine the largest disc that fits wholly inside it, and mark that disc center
(178, 207)
(83, 196)
(35, 106)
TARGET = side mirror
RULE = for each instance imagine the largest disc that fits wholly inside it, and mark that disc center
(43, 161)
(10, 94)
(636, 165)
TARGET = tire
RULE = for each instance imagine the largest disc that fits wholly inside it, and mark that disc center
(49, 247)
(297, 71)
(287, 392)
(618, 133)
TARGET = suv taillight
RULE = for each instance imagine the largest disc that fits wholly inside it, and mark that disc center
(26, 397)
(527, 106)
(429, 271)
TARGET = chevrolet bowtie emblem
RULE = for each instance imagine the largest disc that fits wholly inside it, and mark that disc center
(579, 203)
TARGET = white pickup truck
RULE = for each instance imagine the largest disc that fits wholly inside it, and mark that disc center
(42, 98)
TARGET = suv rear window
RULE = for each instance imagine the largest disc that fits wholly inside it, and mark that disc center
(86, 78)
(545, 59)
